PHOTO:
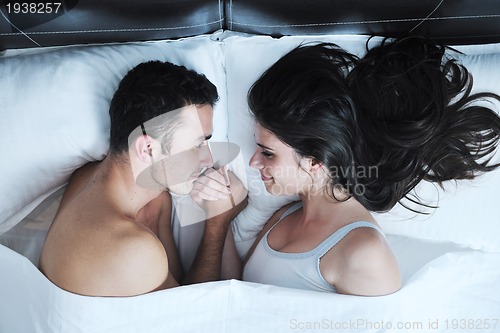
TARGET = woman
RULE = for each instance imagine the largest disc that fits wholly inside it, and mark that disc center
(352, 136)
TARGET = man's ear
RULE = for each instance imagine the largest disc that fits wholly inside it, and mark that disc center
(144, 148)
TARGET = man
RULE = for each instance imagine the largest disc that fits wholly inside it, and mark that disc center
(112, 234)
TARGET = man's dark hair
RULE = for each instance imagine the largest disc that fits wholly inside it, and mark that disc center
(149, 90)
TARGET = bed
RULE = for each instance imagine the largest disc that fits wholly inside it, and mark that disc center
(58, 72)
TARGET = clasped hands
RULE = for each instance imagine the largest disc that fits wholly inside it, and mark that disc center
(220, 193)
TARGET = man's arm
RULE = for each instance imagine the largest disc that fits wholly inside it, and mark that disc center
(232, 267)
(208, 261)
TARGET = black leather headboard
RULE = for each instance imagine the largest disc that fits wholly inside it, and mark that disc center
(452, 21)
(101, 21)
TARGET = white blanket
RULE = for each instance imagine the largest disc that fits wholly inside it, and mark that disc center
(457, 291)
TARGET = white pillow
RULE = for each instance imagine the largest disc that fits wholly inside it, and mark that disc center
(54, 110)
(470, 216)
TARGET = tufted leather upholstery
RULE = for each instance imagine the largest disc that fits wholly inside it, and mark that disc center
(101, 21)
(453, 21)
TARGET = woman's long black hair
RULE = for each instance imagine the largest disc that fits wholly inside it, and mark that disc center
(418, 119)
(401, 114)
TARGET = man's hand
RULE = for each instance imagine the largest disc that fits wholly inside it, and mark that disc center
(213, 195)
(216, 194)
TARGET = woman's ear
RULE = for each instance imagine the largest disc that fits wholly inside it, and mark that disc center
(311, 164)
(316, 164)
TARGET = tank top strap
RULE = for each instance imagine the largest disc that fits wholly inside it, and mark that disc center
(337, 236)
(296, 206)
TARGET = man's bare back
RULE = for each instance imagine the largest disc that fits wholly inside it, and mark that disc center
(92, 245)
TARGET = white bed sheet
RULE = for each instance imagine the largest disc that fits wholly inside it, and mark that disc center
(453, 286)
(441, 281)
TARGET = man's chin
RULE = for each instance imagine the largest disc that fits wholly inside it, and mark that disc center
(181, 189)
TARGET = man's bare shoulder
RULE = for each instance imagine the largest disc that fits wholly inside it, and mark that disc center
(94, 248)
(136, 264)
(123, 259)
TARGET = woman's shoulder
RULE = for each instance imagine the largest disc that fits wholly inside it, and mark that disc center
(363, 263)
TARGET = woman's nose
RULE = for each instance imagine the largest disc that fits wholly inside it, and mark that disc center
(255, 161)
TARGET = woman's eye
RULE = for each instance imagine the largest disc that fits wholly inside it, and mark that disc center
(266, 154)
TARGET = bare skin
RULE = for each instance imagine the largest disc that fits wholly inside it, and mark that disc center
(91, 253)
(362, 263)
(111, 237)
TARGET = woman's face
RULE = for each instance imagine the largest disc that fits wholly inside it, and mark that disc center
(281, 168)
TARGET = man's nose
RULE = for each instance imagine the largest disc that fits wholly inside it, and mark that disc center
(206, 159)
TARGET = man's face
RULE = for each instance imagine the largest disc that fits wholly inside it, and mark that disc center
(188, 154)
